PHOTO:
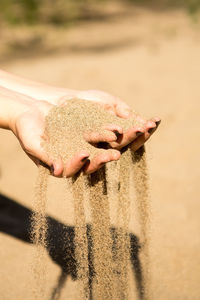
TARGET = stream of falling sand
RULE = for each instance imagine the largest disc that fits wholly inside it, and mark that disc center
(141, 184)
(109, 278)
(39, 230)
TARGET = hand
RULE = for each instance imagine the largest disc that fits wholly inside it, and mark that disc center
(136, 136)
(29, 129)
(56, 96)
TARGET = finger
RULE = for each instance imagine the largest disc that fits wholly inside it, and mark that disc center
(151, 127)
(128, 137)
(55, 169)
(36, 152)
(103, 136)
(109, 108)
(157, 121)
(99, 161)
(123, 110)
(75, 164)
(114, 128)
(140, 120)
(38, 155)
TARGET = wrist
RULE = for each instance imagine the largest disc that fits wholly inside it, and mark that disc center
(55, 95)
(12, 105)
(17, 109)
(37, 90)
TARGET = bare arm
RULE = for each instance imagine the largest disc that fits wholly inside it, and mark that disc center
(25, 117)
(38, 90)
(136, 135)
(58, 95)
(12, 104)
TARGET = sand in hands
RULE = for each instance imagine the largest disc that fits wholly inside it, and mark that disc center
(67, 128)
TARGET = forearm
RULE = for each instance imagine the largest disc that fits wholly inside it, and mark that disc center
(39, 91)
(12, 104)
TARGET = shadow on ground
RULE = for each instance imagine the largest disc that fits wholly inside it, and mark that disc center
(15, 220)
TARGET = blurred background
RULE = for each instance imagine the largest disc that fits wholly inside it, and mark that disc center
(65, 11)
(27, 26)
(148, 54)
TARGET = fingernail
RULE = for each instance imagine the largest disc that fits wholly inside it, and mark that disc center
(151, 130)
(157, 123)
(52, 169)
(44, 165)
(138, 133)
(84, 159)
(102, 164)
(117, 133)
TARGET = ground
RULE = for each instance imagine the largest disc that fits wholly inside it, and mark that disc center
(151, 60)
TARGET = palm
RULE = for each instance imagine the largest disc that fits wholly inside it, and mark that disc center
(30, 131)
(30, 128)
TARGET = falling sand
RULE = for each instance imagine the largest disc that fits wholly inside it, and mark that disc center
(39, 225)
(107, 276)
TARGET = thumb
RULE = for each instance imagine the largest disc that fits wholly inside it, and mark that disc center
(38, 155)
(41, 158)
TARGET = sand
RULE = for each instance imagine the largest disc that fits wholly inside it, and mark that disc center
(81, 242)
(149, 59)
(141, 183)
(39, 230)
(63, 123)
(66, 129)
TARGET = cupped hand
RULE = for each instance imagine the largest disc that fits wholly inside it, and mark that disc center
(29, 128)
(136, 135)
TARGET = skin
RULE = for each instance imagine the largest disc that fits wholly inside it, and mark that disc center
(24, 105)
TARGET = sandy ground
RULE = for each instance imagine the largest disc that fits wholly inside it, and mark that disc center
(152, 61)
